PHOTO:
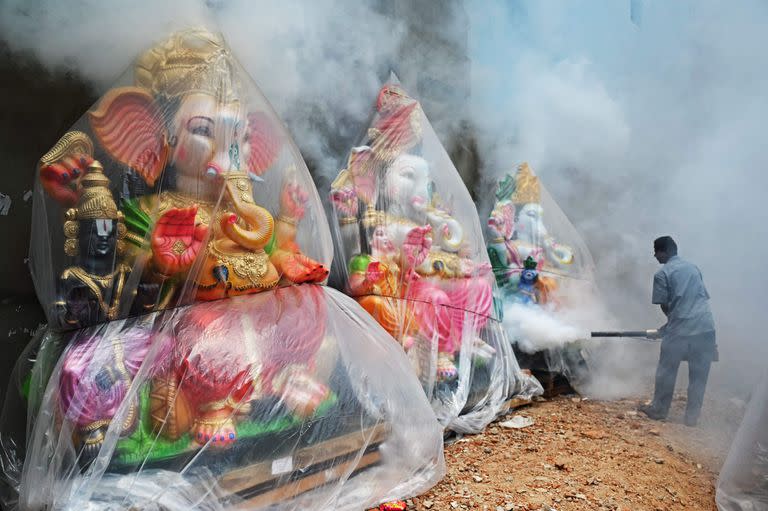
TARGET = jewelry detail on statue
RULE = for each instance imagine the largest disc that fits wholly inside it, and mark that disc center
(247, 265)
(93, 426)
(71, 229)
(97, 283)
(179, 247)
(71, 247)
(170, 200)
(287, 220)
(72, 143)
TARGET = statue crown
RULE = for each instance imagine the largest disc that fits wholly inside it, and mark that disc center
(526, 186)
(96, 200)
(530, 263)
(190, 61)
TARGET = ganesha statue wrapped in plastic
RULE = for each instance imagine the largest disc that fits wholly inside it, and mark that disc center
(545, 274)
(410, 235)
(179, 248)
(519, 240)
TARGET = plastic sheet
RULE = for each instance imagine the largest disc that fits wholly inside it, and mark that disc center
(546, 277)
(150, 390)
(743, 481)
(410, 250)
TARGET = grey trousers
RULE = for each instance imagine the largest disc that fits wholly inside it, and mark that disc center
(699, 350)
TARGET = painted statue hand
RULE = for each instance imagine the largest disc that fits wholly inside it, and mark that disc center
(345, 201)
(61, 180)
(176, 240)
(416, 246)
(293, 200)
(374, 273)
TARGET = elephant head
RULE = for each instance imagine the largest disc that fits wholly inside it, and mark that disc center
(188, 113)
(531, 229)
(530, 226)
(406, 188)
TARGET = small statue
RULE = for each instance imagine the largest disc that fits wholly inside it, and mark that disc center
(526, 287)
(93, 290)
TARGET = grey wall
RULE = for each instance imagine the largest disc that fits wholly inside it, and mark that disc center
(36, 107)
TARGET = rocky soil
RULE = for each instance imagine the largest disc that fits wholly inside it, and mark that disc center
(580, 455)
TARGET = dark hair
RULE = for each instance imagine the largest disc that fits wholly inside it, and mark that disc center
(665, 244)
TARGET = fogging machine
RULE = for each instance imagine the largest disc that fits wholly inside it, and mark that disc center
(648, 335)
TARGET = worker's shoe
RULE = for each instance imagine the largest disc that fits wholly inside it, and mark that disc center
(691, 421)
(652, 412)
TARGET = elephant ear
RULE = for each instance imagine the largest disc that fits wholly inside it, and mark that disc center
(508, 217)
(362, 171)
(264, 143)
(128, 125)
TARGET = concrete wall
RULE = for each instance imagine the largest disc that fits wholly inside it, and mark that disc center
(36, 108)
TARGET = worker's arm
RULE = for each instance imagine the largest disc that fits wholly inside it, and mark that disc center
(660, 291)
(661, 296)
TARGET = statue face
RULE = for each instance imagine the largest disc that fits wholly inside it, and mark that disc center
(530, 226)
(528, 276)
(407, 187)
(97, 238)
(210, 138)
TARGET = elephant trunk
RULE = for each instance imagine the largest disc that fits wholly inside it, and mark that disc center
(260, 222)
(448, 231)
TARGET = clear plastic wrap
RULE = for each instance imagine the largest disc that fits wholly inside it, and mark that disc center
(150, 390)
(743, 481)
(546, 277)
(411, 252)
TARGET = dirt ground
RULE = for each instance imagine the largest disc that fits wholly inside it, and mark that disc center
(581, 454)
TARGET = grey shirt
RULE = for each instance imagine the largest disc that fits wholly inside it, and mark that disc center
(680, 287)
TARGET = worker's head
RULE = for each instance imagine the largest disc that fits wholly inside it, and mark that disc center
(664, 248)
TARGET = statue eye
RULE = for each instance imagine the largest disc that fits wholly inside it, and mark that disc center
(407, 172)
(202, 126)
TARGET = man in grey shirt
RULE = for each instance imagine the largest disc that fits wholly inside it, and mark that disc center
(689, 333)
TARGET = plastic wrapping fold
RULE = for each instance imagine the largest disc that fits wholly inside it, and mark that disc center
(545, 274)
(743, 481)
(150, 390)
(410, 250)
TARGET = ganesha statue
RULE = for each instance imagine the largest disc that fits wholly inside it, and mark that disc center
(519, 239)
(408, 261)
(189, 228)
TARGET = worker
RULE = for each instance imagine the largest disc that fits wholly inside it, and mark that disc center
(689, 333)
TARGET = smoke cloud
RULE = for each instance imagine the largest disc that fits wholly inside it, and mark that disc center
(538, 329)
(319, 63)
(640, 126)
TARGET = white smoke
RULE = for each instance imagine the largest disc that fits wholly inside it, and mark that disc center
(319, 63)
(640, 128)
(538, 329)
